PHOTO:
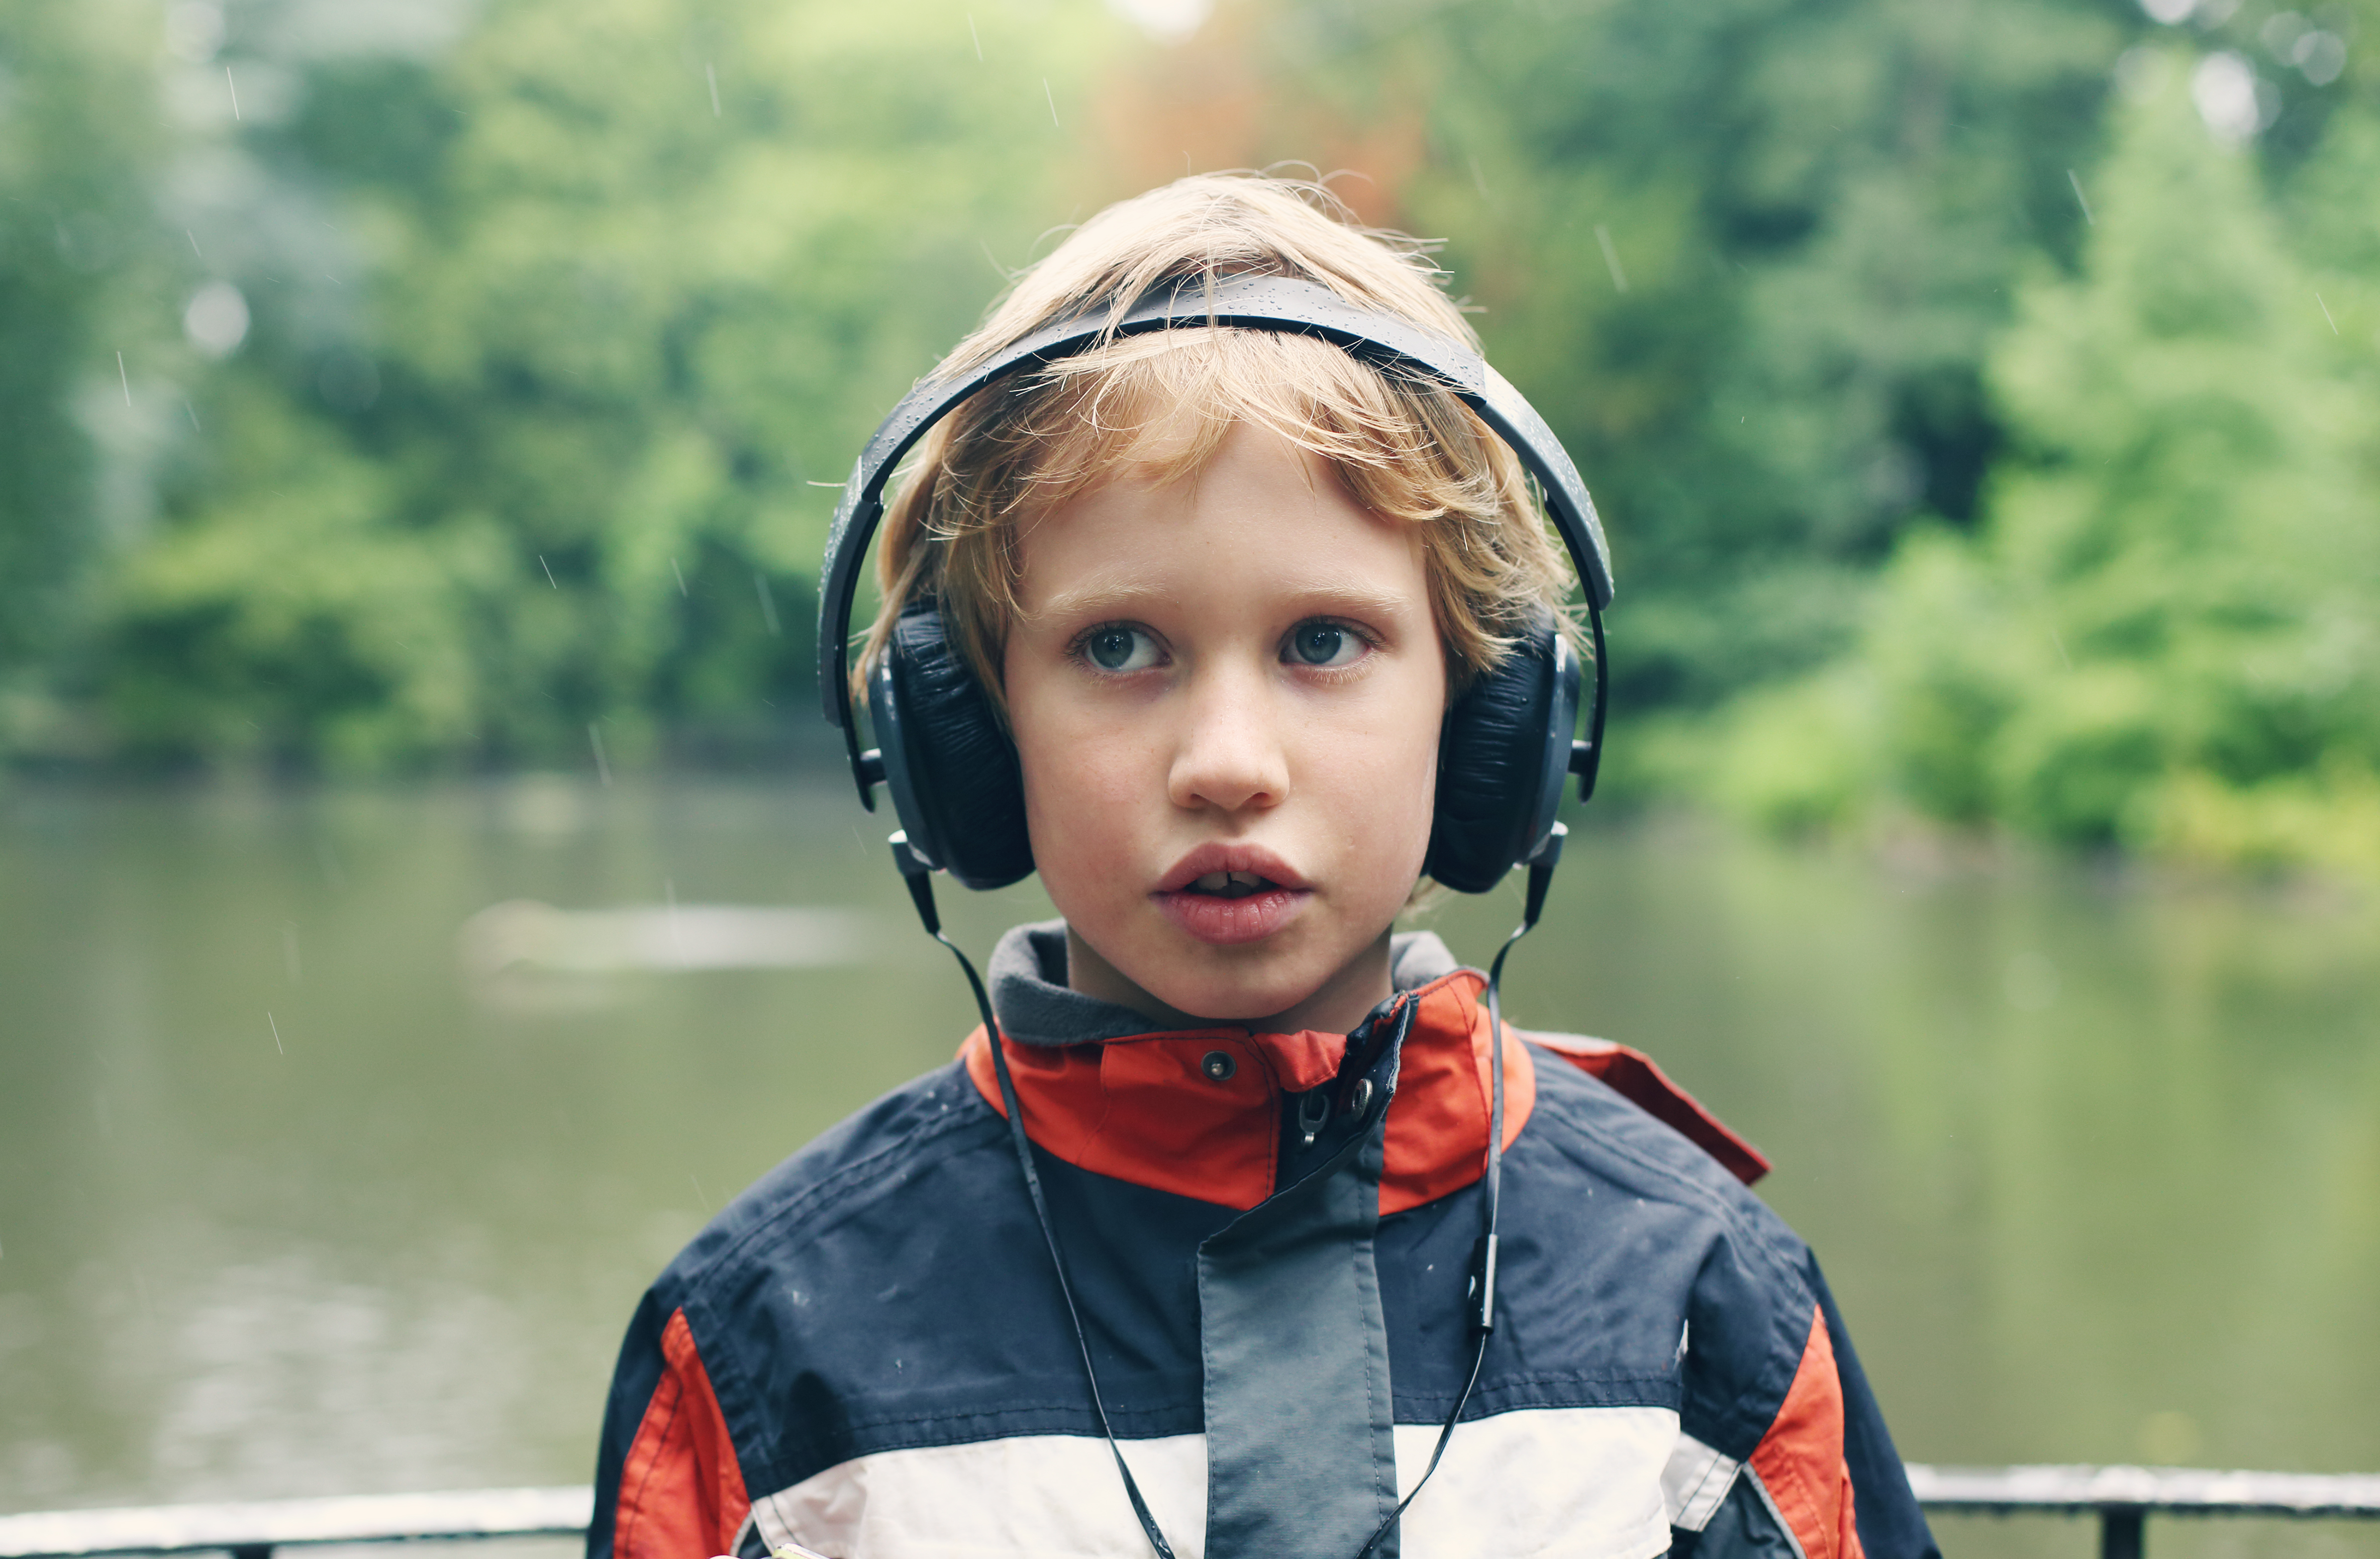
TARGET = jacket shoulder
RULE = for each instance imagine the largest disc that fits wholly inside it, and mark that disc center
(1609, 1129)
(1746, 1305)
(1783, 1448)
(878, 1151)
(1636, 1078)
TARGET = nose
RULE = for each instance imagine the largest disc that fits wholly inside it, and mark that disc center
(1230, 755)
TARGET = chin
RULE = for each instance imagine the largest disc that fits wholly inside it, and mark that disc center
(1240, 984)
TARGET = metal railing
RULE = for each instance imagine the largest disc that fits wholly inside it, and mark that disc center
(2125, 1497)
(2121, 1497)
(253, 1531)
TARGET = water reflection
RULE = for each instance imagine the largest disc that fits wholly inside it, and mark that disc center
(2094, 1165)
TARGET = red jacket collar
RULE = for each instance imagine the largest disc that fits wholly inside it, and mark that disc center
(1147, 1108)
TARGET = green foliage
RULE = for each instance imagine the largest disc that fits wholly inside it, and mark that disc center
(2164, 635)
(641, 280)
(291, 617)
(76, 225)
(1819, 214)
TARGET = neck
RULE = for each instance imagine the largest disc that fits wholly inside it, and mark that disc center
(1336, 1007)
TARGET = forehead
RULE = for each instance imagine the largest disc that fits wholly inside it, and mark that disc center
(1260, 518)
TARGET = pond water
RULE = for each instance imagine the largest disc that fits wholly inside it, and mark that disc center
(304, 1189)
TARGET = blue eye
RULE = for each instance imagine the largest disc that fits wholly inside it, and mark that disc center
(1324, 644)
(1120, 647)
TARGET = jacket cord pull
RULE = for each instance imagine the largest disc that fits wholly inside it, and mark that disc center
(917, 875)
(1483, 1260)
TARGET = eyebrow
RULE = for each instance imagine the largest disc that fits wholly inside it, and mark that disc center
(1358, 601)
(1100, 598)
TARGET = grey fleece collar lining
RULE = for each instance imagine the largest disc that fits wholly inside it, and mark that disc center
(1030, 993)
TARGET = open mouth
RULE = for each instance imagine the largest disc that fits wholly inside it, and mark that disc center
(1229, 894)
(1231, 884)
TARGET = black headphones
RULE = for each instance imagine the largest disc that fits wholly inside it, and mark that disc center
(953, 770)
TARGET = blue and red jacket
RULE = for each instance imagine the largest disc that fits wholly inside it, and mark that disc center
(1271, 1235)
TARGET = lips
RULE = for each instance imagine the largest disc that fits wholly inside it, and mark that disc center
(1226, 895)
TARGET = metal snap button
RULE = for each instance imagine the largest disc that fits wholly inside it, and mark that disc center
(1362, 1100)
(1313, 1111)
(1218, 1065)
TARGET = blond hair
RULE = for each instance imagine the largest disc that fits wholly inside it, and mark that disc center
(1407, 449)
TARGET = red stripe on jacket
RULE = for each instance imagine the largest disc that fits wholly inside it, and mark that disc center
(680, 1491)
(1800, 1460)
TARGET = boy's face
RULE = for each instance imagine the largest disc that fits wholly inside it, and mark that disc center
(1226, 692)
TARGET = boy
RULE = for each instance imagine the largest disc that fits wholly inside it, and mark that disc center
(1208, 610)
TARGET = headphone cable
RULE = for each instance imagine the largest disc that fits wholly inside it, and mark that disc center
(916, 873)
(1482, 1270)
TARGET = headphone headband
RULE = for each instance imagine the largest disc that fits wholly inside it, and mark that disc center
(1247, 302)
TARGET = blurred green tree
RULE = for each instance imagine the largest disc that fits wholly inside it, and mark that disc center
(643, 276)
(78, 230)
(2163, 637)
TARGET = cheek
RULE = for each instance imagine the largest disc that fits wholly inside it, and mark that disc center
(1074, 797)
(1085, 793)
(1388, 799)
(1372, 785)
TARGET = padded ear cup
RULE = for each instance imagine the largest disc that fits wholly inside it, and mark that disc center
(949, 764)
(1501, 758)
